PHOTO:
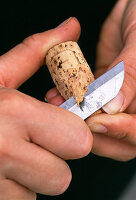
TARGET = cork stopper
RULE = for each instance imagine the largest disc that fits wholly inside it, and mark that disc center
(69, 70)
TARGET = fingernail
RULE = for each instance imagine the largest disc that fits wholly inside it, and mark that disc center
(97, 128)
(115, 105)
(65, 22)
(51, 94)
(45, 100)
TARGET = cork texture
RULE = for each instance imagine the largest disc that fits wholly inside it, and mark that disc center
(69, 70)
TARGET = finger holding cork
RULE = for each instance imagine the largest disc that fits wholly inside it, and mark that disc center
(69, 70)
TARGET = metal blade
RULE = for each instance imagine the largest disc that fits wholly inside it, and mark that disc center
(99, 92)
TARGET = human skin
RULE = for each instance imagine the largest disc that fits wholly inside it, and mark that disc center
(114, 133)
(36, 138)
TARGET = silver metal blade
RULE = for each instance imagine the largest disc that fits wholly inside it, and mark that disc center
(99, 92)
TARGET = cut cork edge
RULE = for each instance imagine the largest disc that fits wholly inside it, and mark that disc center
(69, 70)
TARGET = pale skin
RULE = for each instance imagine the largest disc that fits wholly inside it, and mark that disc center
(114, 134)
(36, 138)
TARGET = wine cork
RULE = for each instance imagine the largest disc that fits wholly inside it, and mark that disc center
(69, 70)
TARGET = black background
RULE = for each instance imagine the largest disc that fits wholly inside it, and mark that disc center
(94, 177)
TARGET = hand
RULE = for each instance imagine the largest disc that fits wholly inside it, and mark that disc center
(36, 137)
(115, 135)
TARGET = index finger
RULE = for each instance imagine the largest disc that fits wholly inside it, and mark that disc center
(55, 129)
(21, 62)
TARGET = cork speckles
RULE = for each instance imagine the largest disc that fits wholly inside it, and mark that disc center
(69, 70)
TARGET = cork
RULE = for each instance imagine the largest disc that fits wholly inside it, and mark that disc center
(69, 70)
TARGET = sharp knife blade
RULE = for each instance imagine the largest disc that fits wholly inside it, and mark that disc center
(99, 92)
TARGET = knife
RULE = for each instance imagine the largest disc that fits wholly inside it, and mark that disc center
(99, 92)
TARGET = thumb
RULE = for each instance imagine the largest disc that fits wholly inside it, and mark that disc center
(128, 90)
(21, 62)
(128, 56)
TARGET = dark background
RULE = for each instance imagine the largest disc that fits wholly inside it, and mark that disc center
(94, 177)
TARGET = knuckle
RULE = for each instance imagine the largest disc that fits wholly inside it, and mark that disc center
(31, 40)
(10, 100)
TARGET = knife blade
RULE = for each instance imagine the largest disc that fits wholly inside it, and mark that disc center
(99, 92)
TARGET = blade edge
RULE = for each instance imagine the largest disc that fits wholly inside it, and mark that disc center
(96, 84)
(91, 106)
